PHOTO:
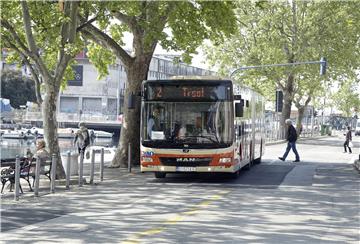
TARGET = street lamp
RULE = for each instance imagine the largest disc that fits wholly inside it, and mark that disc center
(322, 62)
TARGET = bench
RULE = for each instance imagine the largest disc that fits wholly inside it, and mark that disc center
(8, 172)
(27, 171)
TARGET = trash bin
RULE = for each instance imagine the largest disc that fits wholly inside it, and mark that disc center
(328, 130)
(323, 130)
(74, 165)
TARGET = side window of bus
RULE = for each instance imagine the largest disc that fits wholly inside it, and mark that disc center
(241, 129)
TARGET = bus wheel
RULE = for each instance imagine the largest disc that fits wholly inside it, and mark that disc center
(248, 166)
(258, 160)
(235, 175)
(160, 175)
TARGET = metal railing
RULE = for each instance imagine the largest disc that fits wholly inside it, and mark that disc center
(73, 117)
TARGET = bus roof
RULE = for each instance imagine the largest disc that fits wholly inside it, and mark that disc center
(178, 80)
(197, 77)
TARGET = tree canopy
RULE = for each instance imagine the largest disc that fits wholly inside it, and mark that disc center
(347, 98)
(175, 25)
(289, 32)
(18, 88)
(43, 35)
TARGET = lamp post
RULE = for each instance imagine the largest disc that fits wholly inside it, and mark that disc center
(322, 62)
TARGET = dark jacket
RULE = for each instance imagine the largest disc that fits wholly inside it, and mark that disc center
(348, 136)
(291, 134)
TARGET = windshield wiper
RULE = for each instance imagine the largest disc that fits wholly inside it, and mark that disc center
(210, 138)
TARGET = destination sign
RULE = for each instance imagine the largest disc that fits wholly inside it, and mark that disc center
(187, 92)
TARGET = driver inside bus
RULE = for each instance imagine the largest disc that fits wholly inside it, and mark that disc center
(154, 122)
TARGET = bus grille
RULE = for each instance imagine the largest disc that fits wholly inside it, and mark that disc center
(191, 162)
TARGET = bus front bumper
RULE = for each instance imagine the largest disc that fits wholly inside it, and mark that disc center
(180, 169)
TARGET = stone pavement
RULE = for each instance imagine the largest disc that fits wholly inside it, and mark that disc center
(110, 210)
(110, 175)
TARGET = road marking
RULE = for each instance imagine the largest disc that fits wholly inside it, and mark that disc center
(136, 238)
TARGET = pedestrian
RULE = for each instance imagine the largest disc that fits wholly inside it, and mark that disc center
(348, 139)
(41, 154)
(82, 138)
(291, 139)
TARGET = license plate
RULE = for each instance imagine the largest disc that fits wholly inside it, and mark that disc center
(185, 169)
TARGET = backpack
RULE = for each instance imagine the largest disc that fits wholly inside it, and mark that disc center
(83, 138)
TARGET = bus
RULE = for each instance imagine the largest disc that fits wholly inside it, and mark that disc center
(200, 124)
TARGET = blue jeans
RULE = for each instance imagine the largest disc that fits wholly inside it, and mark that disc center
(291, 145)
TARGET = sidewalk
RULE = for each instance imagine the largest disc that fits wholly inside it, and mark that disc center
(110, 175)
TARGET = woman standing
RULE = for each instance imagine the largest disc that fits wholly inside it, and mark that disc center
(348, 139)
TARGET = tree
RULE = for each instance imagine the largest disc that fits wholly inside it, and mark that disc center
(19, 89)
(43, 35)
(347, 98)
(150, 22)
(290, 32)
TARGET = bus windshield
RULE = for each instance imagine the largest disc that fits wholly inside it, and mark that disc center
(187, 124)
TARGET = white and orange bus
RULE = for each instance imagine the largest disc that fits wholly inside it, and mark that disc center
(200, 124)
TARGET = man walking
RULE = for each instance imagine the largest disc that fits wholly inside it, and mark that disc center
(291, 138)
(82, 138)
(348, 139)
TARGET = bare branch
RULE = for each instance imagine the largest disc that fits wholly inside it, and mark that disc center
(93, 33)
(78, 29)
(127, 20)
(34, 54)
(27, 25)
(68, 32)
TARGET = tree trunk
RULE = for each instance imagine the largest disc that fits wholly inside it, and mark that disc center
(301, 111)
(50, 126)
(130, 131)
(287, 102)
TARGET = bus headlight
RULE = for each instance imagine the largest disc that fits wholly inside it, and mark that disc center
(147, 159)
(225, 160)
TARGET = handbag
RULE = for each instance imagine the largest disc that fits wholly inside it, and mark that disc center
(351, 144)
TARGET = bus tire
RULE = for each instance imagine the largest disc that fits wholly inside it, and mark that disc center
(235, 175)
(160, 175)
(248, 166)
(258, 160)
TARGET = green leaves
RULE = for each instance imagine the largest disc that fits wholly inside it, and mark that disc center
(281, 32)
(347, 98)
(101, 58)
(19, 89)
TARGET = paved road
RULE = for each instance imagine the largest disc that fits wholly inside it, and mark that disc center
(314, 201)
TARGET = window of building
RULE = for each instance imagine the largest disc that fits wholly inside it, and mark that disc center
(69, 104)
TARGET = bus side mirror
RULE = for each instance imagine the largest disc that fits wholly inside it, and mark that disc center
(239, 109)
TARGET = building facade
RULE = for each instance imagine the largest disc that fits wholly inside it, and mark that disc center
(89, 97)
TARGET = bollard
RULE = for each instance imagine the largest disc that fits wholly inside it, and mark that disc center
(37, 177)
(68, 162)
(81, 168)
(92, 166)
(53, 173)
(129, 157)
(102, 165)
(17, 178)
